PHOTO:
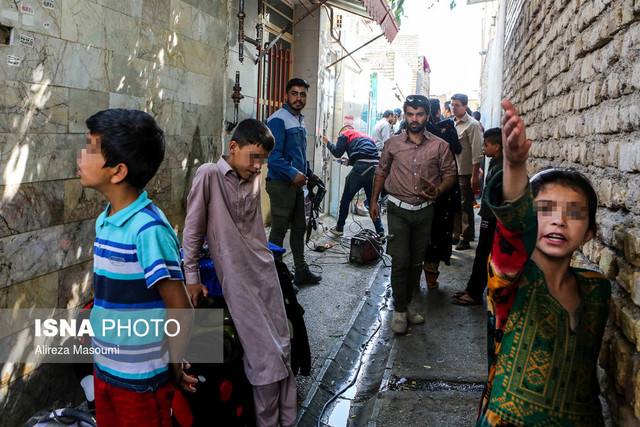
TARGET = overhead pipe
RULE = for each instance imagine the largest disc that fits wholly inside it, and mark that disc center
(337, 39)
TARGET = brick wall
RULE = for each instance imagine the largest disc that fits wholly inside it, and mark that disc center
(573, 69)
(69, 60)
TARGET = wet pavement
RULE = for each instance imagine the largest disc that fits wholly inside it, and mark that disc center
(363, 374)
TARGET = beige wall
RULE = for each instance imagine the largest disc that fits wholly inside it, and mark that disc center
(167, 57)
(573, 70)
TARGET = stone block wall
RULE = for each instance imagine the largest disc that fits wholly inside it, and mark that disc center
(70, 59)
(572, 67)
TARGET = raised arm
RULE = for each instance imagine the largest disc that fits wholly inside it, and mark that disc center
(516, 151)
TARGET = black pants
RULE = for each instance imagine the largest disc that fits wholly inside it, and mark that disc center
(478, 281)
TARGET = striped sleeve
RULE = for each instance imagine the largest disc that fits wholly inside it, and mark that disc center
(158, 252)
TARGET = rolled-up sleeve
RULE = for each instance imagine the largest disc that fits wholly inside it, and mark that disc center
(447, 164)
(475, 138)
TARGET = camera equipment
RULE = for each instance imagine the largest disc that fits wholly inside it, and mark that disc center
(365, 246)
(317, 191)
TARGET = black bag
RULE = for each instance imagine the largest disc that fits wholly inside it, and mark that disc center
(300, 351)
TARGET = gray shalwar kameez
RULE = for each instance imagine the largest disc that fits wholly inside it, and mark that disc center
(226, 208)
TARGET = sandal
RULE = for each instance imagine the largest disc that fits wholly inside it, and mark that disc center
(433, 285)
(432, 280)
(459, 294)
(465, 300)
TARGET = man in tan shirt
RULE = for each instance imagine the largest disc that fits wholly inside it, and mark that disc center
(415, 168)
(469, 160)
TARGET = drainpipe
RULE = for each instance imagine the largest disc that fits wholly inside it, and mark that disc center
(236, 96)
(257, 42)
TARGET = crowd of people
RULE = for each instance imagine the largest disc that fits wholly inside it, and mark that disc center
(546, 318)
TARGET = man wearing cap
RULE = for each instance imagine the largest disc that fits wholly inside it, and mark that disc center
(288, 173)
(415, 168)
(363, 157)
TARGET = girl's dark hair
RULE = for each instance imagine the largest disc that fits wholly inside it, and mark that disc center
(131, 137)
(252, 131)
(572, 178)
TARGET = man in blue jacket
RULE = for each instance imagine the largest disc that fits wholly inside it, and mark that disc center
(363, 156)
(288, 173)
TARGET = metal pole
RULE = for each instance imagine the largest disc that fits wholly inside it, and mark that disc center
(352, 52)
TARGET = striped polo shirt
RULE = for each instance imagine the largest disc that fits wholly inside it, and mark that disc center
(134, 249)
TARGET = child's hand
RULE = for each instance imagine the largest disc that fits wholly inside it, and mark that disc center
(514, 139)
(181, 379)
(194, 292)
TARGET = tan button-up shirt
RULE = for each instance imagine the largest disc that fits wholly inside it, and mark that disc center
(408, 166)
(470, 136)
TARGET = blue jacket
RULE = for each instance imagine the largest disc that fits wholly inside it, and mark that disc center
(358, 145)
(289, 155)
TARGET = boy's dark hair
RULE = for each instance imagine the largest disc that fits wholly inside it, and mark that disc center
(493, 135)
(252, 131)
(571, 178)
(296, 82)
(131, 137)
(397, 112)
(387, 113)
(464, 99)
(476, 115)
(417, 101)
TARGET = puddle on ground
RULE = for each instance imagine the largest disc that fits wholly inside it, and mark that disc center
(338, 413)
(409, 384)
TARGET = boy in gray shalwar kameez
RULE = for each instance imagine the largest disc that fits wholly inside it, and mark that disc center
(224, 205)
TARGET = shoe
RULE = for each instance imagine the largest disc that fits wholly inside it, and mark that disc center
(414, 318)
(306, 277)
(335, 231)
(455, 241)
(463, 246)
(399, 322)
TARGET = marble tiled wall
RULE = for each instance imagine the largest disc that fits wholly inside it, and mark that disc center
(69, 60)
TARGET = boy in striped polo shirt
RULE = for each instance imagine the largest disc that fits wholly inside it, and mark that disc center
(136, 266)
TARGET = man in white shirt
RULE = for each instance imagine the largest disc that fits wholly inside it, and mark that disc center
(382, 130)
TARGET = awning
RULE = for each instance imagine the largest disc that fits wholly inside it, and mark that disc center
(378, 10)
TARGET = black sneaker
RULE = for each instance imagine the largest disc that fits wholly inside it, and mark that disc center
(455, 241)
(463, 246)
(306, 277)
